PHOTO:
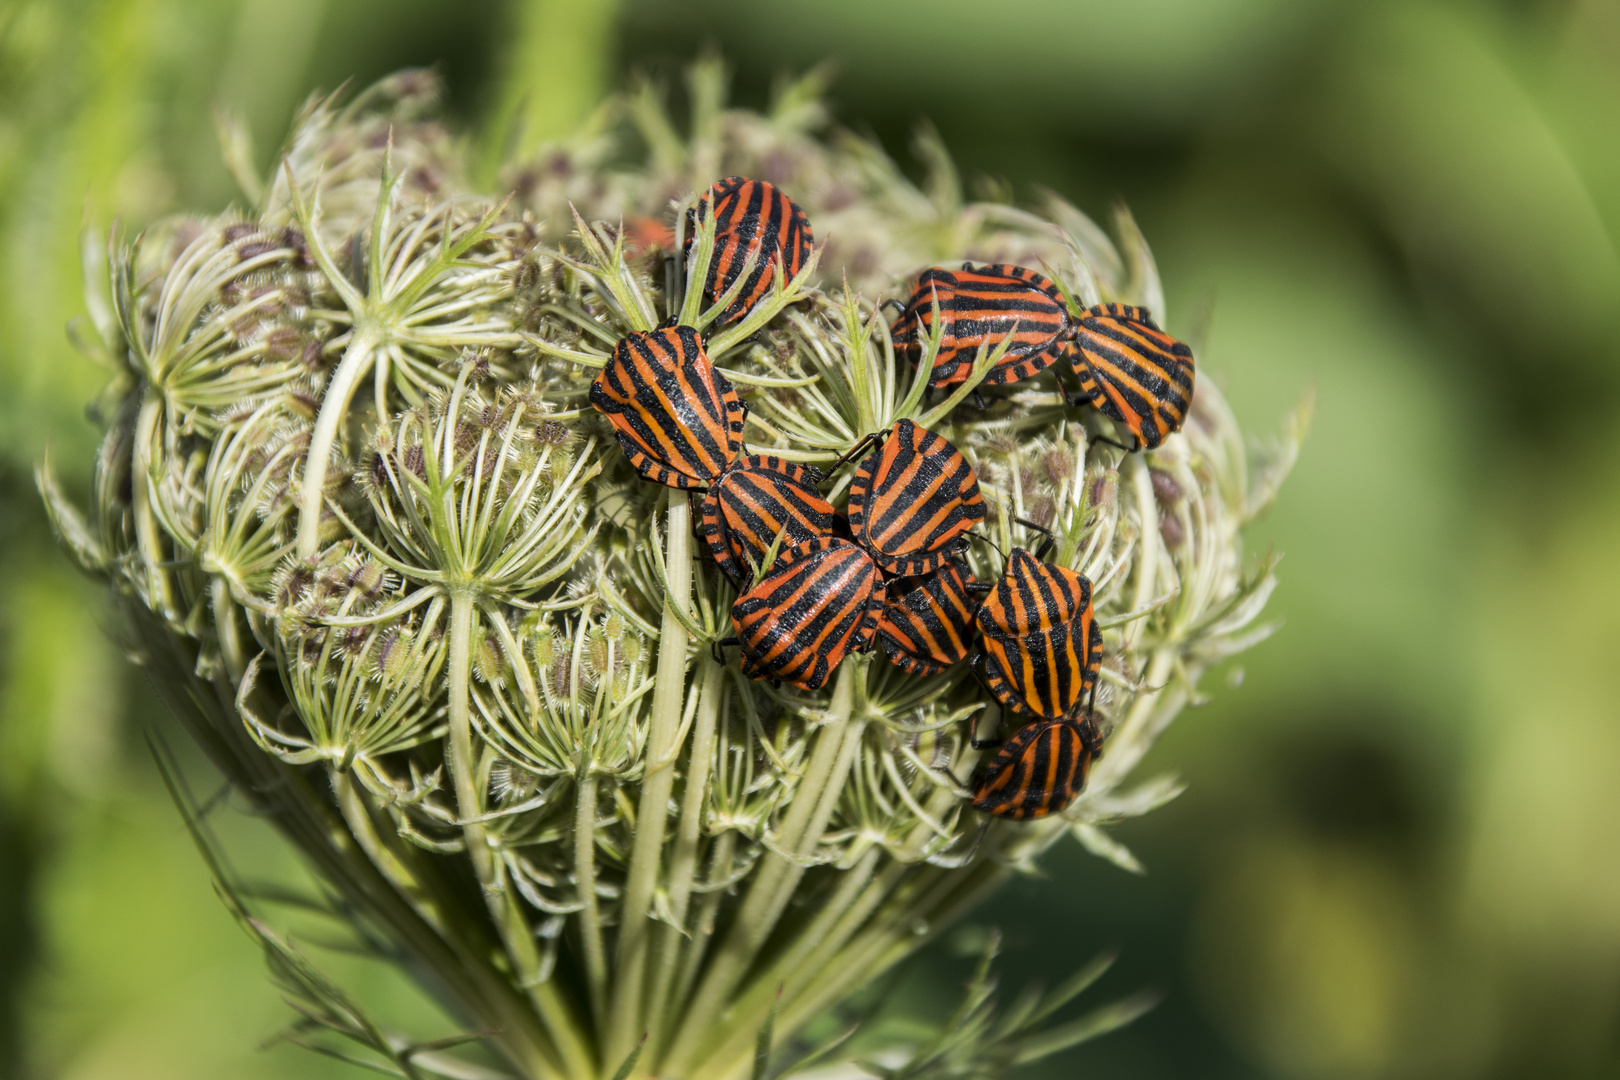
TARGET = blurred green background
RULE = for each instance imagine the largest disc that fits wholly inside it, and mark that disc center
(1399, 855)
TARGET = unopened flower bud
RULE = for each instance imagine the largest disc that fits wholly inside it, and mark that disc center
(1165, 488)
(393, 654)
(1058, 464)
(488, 659)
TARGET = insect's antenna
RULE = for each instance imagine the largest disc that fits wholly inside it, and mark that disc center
(868, 440)
(992, 543)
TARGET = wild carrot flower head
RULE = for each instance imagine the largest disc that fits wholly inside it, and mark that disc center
(409, 593)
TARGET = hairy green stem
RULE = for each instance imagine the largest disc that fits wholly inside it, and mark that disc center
(757, 916)
(147, 535)
(226, 628)
(504, 907)
(721, 861)
(357, 359)
(859, 371)
(835, 920)
(281, 794)
(352, 805)
(801, 971)
(590, 917)
(669, 696)
(683, 862)
(906, 923)
(469, 807)
(810, 839)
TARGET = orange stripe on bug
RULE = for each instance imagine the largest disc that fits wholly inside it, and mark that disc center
(754, 500)
(1042, 648)
(1133, 372)
(1040, 770)
(927, 624)
(754, 220)
(819, 602)
(979, 307)
(679, 421)
(913, 500)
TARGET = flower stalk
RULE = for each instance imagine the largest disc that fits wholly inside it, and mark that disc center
(669, 695)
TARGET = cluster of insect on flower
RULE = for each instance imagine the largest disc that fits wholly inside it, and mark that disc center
(386, 562)
(819, 582)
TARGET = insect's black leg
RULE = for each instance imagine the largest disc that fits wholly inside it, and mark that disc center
(899, 308)
(1042, 529)
(717, 650)
(1046, 545)
(1106, 441)
(981, 401)
(978, 743)
(1090, 737)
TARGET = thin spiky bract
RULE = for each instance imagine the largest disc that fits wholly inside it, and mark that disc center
(404, 590)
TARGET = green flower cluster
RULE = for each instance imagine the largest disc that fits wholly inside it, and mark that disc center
(396, 577)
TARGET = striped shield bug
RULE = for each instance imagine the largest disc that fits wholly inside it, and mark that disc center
(1040, 770)
(912, 499)
(1042, 648)
(754, 221)
(753, 502)
(980, 307)
(927, 623)
(818, 602)
(679, 421)
(1133, 372)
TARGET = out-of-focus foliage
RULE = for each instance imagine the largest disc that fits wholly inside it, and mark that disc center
(1395, 856)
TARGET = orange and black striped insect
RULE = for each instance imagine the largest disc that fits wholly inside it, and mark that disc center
(980, 307)
(1133, 372)
(679, 421)
(753, 502)
(819, 602)
(1040, 770)
(927, 623)
(912, 500)
(1042, 648)
(753, 220)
